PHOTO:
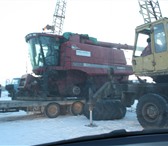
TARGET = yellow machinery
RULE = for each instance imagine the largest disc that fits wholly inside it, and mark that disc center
(154, 63)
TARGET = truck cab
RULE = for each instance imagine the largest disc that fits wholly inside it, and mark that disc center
(152, 64)
(12, 87)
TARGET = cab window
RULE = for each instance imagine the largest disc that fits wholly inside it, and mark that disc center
(160, 38)
(141, 42)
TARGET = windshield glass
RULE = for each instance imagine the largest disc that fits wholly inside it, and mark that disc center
(160, 38)
(43, 50)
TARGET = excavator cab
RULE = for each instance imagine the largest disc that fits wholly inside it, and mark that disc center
(154, 62)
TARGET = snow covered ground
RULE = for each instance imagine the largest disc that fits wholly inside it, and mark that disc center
(21, 128)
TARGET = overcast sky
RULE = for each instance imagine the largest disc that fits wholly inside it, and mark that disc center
(107, 20)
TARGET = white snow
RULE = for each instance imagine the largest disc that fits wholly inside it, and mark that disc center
(21, 128)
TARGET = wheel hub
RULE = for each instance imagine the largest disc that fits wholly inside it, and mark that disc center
(76, 90)
(77, 108)
(150, 112)
(52, 110)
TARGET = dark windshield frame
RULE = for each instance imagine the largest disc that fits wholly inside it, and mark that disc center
(44, 50)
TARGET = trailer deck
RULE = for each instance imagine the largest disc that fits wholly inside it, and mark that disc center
(55, 106)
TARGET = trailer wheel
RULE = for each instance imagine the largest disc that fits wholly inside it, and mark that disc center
(151, 111)
(52, 110)
(77, 108)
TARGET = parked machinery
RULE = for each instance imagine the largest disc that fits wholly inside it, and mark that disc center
(66, 65)
(78, 66)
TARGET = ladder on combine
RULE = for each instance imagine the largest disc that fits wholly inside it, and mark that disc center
(150, 10)
(58, 18)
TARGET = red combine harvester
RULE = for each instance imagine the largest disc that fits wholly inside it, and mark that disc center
(66, 65)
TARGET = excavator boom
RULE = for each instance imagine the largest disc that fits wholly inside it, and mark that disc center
(150, 10)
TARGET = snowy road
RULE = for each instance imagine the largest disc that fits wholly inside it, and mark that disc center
(21, 128)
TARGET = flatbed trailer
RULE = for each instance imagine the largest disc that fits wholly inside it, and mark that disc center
(50, 108)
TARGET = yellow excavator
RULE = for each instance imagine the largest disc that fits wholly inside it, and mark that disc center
(150, 52)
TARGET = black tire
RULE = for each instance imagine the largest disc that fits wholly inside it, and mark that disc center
(86, 111)
(151, 111)
(98, 112)
(106, 110)
(110, 110)
(114, 109)
(77, 108)
(52, 110)
(121, 110)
